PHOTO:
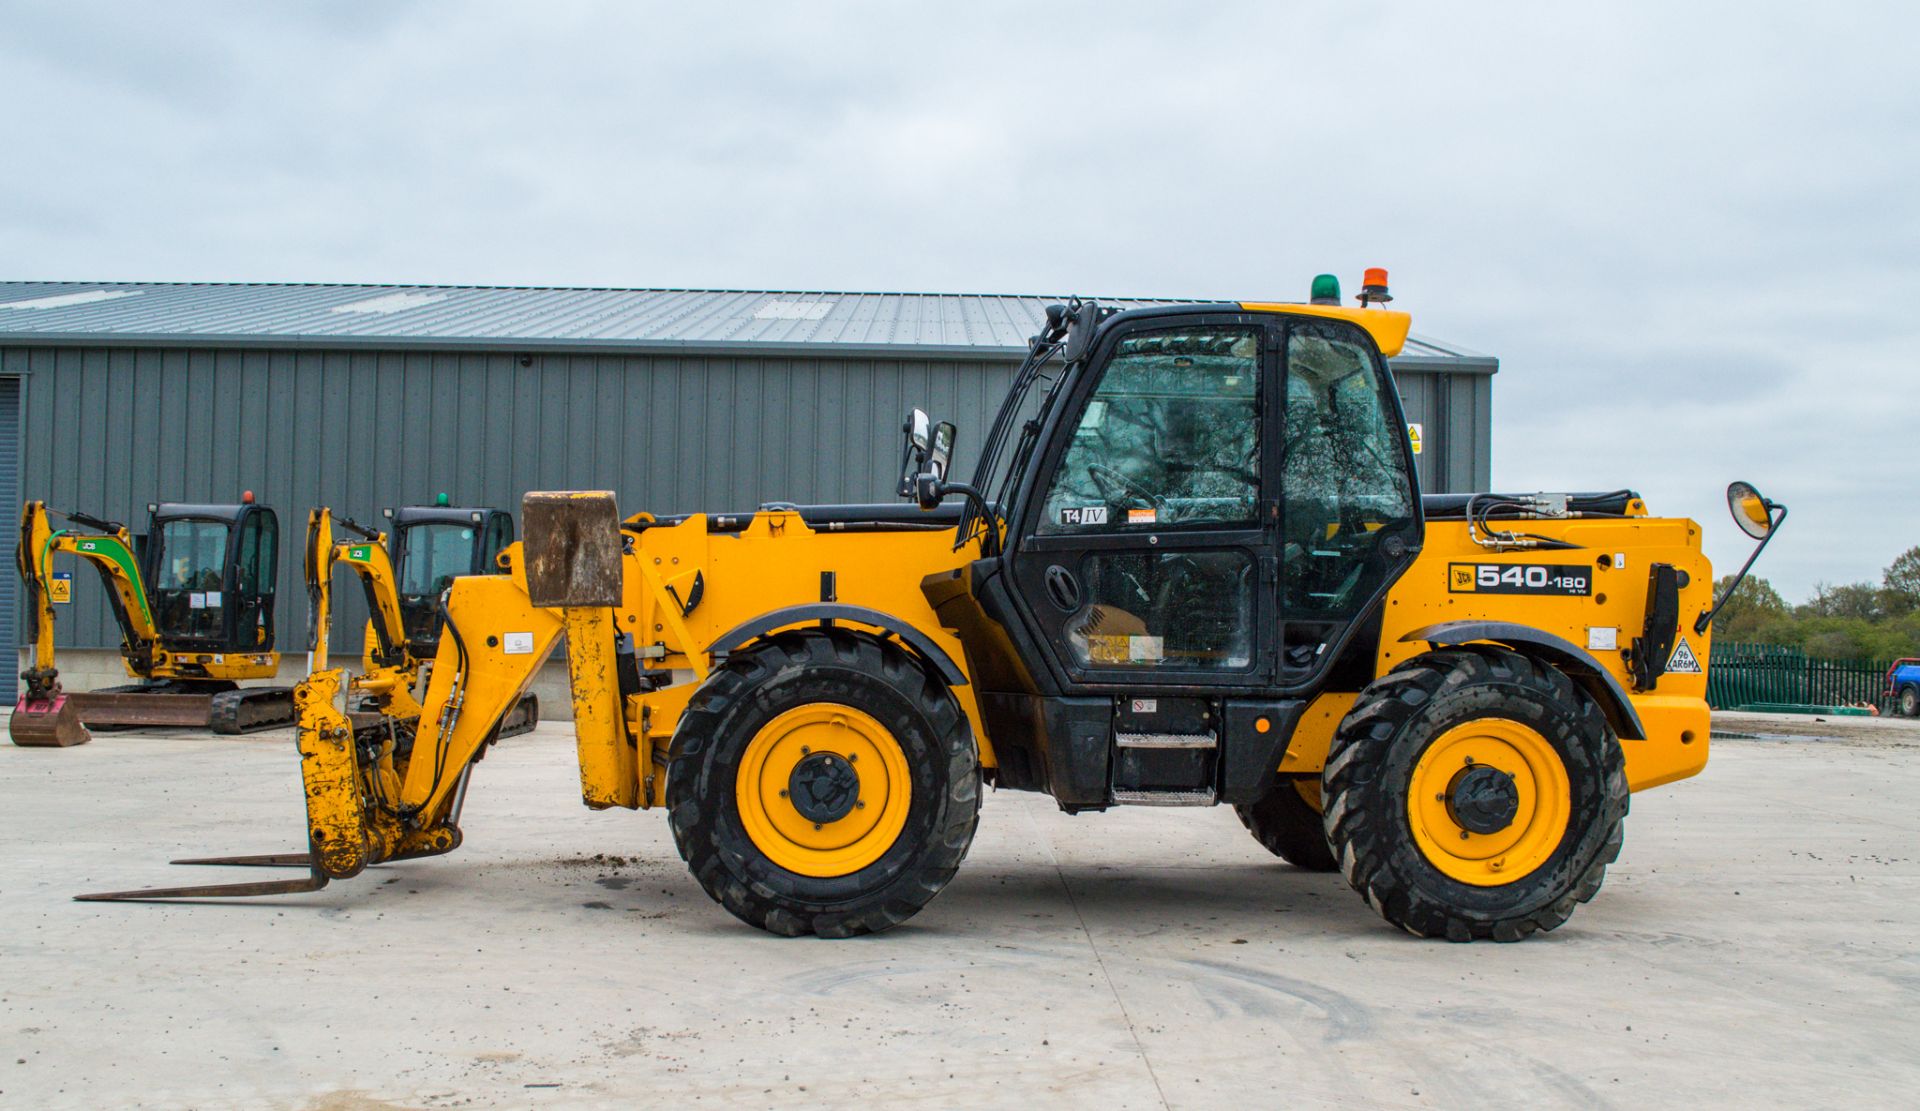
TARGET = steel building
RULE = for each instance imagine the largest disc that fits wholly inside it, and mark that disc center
(113, 395)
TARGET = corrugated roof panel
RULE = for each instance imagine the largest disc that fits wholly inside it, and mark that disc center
(478, 316)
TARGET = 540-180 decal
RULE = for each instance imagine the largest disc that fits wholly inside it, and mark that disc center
(1519, 578)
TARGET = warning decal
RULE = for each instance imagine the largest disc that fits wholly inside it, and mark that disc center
(1684, 662)
(60, 588)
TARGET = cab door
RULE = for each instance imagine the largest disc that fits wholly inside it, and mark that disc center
(253, 578)
(1145, 545)
(1349, 498)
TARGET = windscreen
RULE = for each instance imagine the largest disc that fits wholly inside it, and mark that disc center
(433, 554)
(188, 579)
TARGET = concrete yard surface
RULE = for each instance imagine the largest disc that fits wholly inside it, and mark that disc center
(1757, 945)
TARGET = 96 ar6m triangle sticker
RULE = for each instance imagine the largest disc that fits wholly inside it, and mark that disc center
(1683, 661)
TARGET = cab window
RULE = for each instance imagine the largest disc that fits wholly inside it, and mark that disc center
(436, 553)
(188, 582)
(1170, 436)
(1345, 485)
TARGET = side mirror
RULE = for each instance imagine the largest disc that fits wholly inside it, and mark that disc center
(930, 486)
(940, 455)
(1751, 510)
(919, 430)
(1084, 319)
(1759, 517)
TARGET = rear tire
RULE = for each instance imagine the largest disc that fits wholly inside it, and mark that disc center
(1289, 827)
(1910, 702)
(746, 838)
(1396, 815)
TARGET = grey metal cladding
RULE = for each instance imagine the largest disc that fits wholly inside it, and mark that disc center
(359, 430)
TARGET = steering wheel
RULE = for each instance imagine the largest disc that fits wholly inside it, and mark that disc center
(1104, 475)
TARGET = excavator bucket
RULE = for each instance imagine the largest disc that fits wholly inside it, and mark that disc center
(47, 723)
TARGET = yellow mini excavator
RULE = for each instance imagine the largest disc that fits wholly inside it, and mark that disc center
(194, 599)
(1192, 567)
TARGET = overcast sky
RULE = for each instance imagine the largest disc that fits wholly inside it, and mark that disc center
(1691, 233)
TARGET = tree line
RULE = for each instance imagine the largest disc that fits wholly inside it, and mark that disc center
(1850, 621)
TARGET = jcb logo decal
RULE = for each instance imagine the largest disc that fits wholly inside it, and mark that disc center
(1462, 577)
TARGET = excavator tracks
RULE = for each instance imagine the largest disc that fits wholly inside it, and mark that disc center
(251, 709)
(178, 705)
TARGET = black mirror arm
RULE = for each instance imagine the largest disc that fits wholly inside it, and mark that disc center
(1706, 619)
(930, 490)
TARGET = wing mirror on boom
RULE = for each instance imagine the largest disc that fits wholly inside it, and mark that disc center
(929, 459)
(919, 430)
(1759, 517)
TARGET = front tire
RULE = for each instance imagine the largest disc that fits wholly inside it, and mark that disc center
(823, 783)
(1475, 794)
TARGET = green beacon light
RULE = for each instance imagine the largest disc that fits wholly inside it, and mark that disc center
(440, 501)
(1326, 290)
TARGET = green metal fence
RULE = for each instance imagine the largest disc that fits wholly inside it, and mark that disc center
(1750, 674)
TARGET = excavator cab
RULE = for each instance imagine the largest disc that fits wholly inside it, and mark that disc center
(430, 546)
(212, 571)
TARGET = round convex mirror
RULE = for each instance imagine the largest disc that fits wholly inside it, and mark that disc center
(1752, 512)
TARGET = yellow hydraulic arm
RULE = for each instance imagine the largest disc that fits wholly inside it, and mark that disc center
(110, 549)
(390, 668)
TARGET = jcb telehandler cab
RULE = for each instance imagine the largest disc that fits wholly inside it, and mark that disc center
(1192, 567)
(194, 599)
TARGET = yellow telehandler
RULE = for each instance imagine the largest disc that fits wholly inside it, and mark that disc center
(1192, 567)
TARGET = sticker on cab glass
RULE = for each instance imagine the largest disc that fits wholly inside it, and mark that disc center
(1520, 578)
(1084, 515)
(1142, 516)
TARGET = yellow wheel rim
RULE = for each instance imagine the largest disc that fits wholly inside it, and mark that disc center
(1541, 813)
(871, 822)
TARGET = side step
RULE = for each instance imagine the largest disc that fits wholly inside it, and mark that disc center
(1165, 740)
(1203, 797)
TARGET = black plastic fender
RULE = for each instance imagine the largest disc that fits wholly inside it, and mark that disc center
(814, 613)
(1569, 657)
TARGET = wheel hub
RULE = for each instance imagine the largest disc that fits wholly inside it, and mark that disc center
(1483, 799)
(823, 787)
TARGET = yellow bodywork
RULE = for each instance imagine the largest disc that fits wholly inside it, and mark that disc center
(778, 559)
(1674, 714)
(685, 586)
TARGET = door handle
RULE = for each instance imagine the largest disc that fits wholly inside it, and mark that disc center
(1063, 590)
